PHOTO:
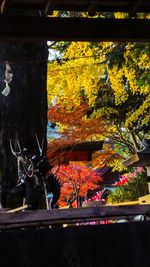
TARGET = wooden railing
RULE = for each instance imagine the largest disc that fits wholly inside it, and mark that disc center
(70, 216)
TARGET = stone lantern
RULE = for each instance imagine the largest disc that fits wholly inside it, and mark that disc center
(141, 159)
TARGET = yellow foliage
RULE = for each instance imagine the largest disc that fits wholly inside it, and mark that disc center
(85, 71)
(117, 84)
(144, 61)
(79, 72)
(55, 14)
(107, 157)
(120, 15)
(83, 65)
(130, 74)
(140, 111)
(148, 16)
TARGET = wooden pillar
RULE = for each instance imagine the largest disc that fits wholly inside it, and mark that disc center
(23, 101)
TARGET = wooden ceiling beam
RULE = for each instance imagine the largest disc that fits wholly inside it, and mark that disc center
(104, 5)
(83, 5)
(73, 29)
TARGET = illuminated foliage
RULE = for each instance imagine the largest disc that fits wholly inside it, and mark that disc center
(74, 127)
(76, 76)
(76, 180)
(114, 79)
(130, 187)
(125, 68)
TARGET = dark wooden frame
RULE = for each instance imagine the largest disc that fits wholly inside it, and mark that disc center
(73, 29)
(81, 5)
(70, 216)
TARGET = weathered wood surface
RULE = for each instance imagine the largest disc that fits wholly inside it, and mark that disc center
(138, 160)
(73, 29)
(69, 216)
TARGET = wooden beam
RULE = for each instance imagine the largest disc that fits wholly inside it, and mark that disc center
(103, 6)
(78, 152)
(83, 5)
(86, 146)
(66, 157)
(140, 159)
(26, 4)
(69, 216)
(131, 161)
(73, 29)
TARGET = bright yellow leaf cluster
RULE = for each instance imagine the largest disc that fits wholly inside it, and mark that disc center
(142, 110)
(79, 73)
(82, 66)
(117, 84)
(130, 74)
(132, 78)
(120, 15)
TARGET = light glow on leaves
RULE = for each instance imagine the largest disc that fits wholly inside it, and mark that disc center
(76, 180)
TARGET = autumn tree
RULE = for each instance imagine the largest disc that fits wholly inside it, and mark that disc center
(74, 128)
(76, 180)
(114, 78)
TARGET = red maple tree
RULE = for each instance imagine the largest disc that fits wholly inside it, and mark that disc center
(77, 129)
(76, 180)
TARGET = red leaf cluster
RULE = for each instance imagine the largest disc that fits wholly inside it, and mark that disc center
(76, 180)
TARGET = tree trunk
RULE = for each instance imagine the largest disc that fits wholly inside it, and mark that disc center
(23, 110)
(137, 147)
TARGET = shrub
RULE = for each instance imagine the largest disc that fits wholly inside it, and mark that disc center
(130, 187)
